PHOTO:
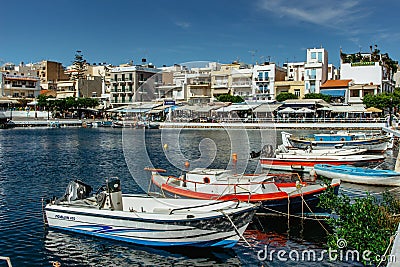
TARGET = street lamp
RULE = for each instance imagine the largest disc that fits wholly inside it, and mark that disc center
(35, 108)
(390, 112)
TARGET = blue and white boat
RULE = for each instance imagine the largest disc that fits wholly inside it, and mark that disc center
(145, 220)
(375, 143)
(358, 175)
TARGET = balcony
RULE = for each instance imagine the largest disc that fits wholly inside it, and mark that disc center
(262, 79)
(241, 84)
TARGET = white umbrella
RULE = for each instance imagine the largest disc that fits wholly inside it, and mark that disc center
(33, 103)
(287, 110)
(324, 109)
(305, 110)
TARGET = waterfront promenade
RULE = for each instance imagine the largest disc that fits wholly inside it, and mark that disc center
(277, 125)
(342, 124)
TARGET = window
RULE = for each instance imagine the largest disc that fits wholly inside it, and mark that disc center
(312, 87)
(313, 55)
(266, 75)
(260, 76)
(354, 93)
(319, 56)
(297, 92)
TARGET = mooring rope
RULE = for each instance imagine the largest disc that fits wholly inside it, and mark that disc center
(236, 230)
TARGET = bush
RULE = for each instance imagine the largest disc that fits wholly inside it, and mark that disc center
(365, 223)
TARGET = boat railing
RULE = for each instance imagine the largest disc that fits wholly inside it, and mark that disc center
(205, 205)
(236, 185)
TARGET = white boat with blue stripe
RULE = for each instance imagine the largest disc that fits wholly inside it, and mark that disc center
(145, 220)
(359, 175)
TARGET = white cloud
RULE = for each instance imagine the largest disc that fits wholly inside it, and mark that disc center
(331, 14)
(182, 24)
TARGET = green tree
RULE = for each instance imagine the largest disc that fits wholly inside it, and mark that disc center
(383, 101)
(327, 98)
(230, 98)
(79, 66)
(365, 223)
(284, 96)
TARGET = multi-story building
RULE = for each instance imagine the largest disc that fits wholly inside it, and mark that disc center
(369, 69)
(295, 71)
(50, 73)
(316, 69)
(198, 81)
(19, 81)
(172, 83)
(221, 79)
(333, 72)
(125, 82)
(264, 77)
(20, 86)
(89, 87)
(242, 82)
(101, 70)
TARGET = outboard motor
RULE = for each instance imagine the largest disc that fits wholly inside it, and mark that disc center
(110, 196)
(76, 190)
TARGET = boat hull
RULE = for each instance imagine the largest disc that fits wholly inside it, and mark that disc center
(359, 175)
(208, 229)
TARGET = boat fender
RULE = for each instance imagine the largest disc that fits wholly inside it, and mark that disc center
(206, 180)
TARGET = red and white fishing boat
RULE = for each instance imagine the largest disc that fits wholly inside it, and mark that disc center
(276, 192)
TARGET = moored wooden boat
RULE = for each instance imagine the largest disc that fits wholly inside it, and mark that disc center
(304, 163)
(359, 175)
(374, 143)
(274, 191)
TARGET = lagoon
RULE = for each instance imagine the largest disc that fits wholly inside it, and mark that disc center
(39, 162)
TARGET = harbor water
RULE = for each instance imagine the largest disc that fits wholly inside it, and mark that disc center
(38, 163)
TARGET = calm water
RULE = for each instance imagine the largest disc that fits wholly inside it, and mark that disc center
(36, 163)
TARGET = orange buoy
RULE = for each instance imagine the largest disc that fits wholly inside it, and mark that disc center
(234, 157)
(187, 164)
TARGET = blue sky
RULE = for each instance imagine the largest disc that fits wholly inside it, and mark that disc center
(169, 31)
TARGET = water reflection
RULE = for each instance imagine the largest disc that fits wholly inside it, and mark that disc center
(79, 250)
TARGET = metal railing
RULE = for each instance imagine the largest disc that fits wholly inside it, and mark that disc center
(284, 120)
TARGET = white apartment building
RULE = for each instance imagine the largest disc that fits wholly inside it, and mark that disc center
(241, 83)
(295, 71)
(371, 73)
(264, 77)
(333, 72)
(316, 69)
